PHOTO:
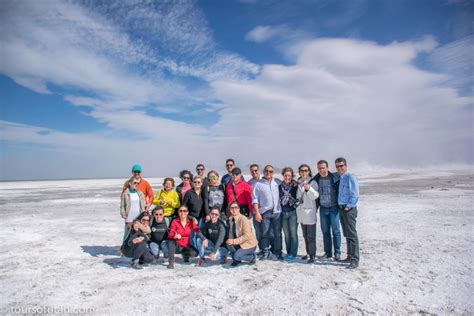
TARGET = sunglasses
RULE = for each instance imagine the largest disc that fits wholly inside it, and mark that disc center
(268, 171)
(304, 170)
(183, 211)
(135, 182)
(186, 178)
(197, 182)
(212, 177)
(340, 166)
(200, 169)
(137, 172)
(254, 171)
(229, 165)
(214, 214)
(159, 214)
(145, 220)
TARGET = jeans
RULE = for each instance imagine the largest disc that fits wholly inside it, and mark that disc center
(194, 237)
(141, 251)
(348, 223)
(330, 222)
(290, 228)
(221, 251)
(309, 235)
(240, 254)
(271, 222)
(155, 248)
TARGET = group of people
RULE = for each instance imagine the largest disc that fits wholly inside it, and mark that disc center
(211, 219)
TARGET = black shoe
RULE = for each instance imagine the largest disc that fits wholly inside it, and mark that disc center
(311, 259)
(353, 265)
(280, 257)
(136, 265)
(235, 263)
(305, 257)
(254, 260)
(185, 258)
(347, 260)
(170, 265)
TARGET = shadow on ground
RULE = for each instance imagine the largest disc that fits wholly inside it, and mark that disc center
(96, 251)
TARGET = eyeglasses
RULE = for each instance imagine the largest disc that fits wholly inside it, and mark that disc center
(340, 166)
(229, 165)
(159, 214)
(268, 171)
(186, 178)
(197, 182)
(183, 211)
(304, 170)
(212, 177)
(135, 183)
(214, 214)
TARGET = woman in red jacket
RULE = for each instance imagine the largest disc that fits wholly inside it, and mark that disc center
(179, 235)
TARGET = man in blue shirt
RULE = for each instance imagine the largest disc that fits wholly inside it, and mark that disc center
(267, 210)
(347, 200)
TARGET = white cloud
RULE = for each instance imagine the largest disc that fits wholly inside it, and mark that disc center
(262, 33)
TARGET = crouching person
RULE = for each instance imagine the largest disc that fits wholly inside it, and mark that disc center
(211, 240)
(242, 242)
(137, 243)
(179, 235)
(159, 233)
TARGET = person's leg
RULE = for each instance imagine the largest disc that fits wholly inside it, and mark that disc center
(326, 230)
(200, 248)
(304, 228)
(171, 252)
(285, 225)
(155, 249)
(311, 241)
(293, 232)
(186, 253)
(343, 218)
(221, 253)
(164, 248)
(277, 240)
(265, 226)
(352, 238)
(336, 232)
(126, 232)
(245, 254)
(258, 233)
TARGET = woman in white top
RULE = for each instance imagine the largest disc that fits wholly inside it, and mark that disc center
(132, 204)
(307, 209)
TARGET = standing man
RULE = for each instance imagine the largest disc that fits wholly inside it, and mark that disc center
(229, 165)
(201, 171)
(142, 185)
(267, 209)
(347, 200)
(240, 191)
(328, 183)
(255, 175)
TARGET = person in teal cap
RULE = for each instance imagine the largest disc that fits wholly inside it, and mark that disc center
(142, 185)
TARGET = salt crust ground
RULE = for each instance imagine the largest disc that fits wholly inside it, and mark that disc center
(60, 240)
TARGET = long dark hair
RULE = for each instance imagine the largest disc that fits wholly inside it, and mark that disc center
(305, 165)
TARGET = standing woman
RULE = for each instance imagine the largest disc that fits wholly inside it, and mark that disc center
(167, 198)
(216, 195)
(288, 191)
(307, 195)
(195, 201)
(179, 235)
(131, 205)
(186, 178)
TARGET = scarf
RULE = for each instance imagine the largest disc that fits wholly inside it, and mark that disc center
(287, 199)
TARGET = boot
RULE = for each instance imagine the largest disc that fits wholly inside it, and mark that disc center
(136, 264)
(311, 259)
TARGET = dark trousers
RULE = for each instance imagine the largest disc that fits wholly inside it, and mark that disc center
(240, 254)
(271, 222)
(309, 235)
(142, 252)
(173, 247)
(289, 223)
(348, 223)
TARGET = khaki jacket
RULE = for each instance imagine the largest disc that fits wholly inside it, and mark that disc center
(245, 237)
(125, 203)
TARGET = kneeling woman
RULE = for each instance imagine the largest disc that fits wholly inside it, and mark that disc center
(242, 242)
(137, 243)
(179, 235)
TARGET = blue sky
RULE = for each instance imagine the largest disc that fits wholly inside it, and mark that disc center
(88, 88)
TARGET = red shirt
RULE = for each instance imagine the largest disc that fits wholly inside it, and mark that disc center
(177, 228)
(243, 191)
